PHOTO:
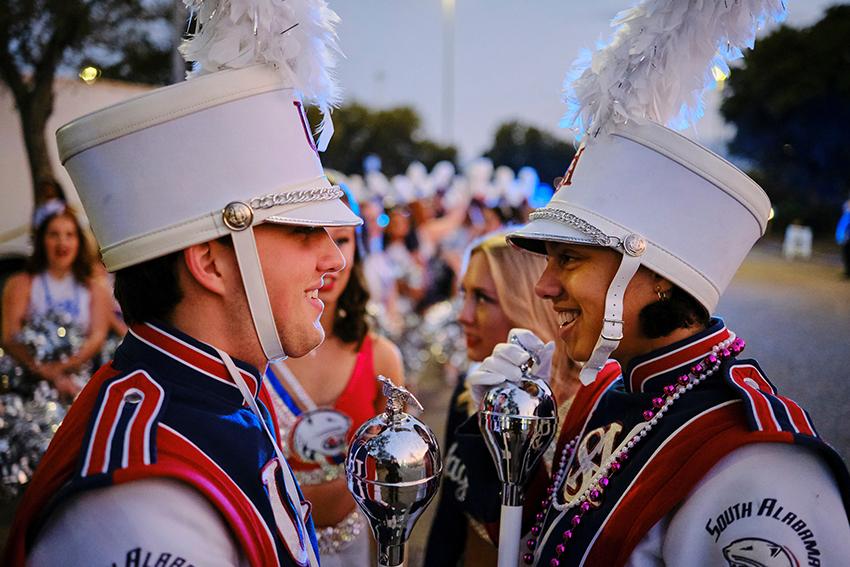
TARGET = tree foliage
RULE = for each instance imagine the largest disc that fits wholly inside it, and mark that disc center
(790, 102)
(392, 134)
(517, 145)
(41, 38)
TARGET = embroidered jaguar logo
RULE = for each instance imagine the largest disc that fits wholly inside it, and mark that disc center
(757, 552)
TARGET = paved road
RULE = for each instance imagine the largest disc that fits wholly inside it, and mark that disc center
(795, 317)
(796, 320)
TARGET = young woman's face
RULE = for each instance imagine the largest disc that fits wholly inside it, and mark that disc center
(484, 323)
(61, 243)
(576, 280)
(399, 224)
(335, 282)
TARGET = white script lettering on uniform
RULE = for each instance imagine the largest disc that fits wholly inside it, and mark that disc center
(594, 450)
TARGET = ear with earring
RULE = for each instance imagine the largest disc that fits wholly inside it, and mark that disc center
(663, 294)
(341, 313)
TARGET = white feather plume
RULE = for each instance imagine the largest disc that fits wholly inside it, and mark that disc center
(659, 61)
(298, 37)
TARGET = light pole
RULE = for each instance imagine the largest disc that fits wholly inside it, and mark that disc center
(448, 70)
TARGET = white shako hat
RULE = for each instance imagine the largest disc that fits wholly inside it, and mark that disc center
(217, 154)
(658, 198)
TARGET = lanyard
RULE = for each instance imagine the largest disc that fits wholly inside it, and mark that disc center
(288, 477)
(299, 398)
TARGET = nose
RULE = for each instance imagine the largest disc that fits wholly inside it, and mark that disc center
(548, 286)
(466, 317)
(331, 258)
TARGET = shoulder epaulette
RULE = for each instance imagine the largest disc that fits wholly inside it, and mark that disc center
(766, 409)
(122, 430)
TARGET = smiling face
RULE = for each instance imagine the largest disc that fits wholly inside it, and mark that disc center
(294, 260)
(343, 237)
(576, 280)
(482, 318)
(61, 243)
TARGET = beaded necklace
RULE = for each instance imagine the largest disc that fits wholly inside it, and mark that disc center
(592, 497)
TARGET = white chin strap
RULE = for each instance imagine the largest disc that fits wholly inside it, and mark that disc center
(258, 298)
(612, 326)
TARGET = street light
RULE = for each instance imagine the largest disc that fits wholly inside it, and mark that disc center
(89, 74)
(448, 69)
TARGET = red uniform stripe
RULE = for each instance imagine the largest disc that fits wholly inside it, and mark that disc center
(265, 397)
(584, 402)
(742, 375)
(136, 445)
(646, 370)
(189, 355)
(250, 528)
(798, 417)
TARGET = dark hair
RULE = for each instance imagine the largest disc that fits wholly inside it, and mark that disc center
(353, 325)
(82, 266)
(680, 310)
(43, 186)
(150, 290)
(411, 239)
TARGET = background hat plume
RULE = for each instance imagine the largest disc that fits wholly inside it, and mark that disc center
(297, 37)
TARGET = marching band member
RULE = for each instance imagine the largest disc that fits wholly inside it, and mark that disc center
(208, 201)
(691, 457)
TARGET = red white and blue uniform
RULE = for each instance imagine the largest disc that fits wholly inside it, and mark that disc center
(166, 413)
(734, 473)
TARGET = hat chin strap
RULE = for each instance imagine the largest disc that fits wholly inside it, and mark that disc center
(612, 326)
(258, 298)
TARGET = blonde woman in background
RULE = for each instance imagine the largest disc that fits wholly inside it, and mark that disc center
(497, 288)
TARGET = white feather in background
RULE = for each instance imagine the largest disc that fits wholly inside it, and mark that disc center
(659, 61)
(298, 37)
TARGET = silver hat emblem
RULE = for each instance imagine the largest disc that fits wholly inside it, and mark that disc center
(237, 215)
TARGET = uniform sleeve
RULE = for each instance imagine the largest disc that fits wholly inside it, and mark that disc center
(146, 522)
(764, 504)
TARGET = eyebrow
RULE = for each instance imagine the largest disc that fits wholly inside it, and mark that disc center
(483, 290)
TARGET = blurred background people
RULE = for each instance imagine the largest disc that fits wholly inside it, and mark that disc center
(56, 292)
(842, 236)
(322, 398)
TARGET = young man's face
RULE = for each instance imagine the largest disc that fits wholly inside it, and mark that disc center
(294, 259)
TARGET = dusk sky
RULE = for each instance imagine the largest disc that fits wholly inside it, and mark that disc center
(510, 58)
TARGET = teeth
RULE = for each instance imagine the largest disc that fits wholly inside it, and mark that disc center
(566, 317)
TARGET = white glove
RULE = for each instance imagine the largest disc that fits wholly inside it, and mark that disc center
(507, 360)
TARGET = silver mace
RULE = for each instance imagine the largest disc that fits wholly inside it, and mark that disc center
(518, 421)
(393, 468)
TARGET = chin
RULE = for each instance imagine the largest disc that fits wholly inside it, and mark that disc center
(302, 345)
